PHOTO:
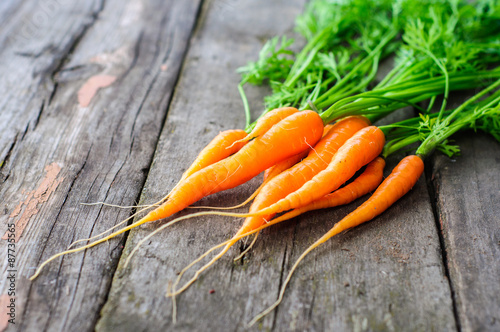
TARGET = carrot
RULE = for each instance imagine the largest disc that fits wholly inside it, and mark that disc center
(287, 138)
(295, 177)
(396, 185)
(267, 121)
(356, 152)
(291, 180)
(364, 146)
(290, 136)
(222, 146)
(269, 173)
(363, 184)
(282, 166)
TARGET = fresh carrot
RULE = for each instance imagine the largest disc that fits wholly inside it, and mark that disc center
(265, 122)
(292, 179)
(363, 184)
(222, 146)
(396, 185)
(295, 177)
(290, 136)
(282, 166)
(277, 169)
(356, 152)
(269, 173)
(364, 146)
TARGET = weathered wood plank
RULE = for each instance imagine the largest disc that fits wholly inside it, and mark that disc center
(66, 152)
(393, 266)
(467, 198)
(35, 40)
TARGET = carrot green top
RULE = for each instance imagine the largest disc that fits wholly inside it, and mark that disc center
(439, 45)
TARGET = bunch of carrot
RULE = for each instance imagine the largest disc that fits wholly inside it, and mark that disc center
(308, 156)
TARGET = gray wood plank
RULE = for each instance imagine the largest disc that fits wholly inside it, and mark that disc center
(36, 37)
(66, 153)
(467, 199)
(393, 266)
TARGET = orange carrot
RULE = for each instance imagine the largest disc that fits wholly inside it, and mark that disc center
(396, 185)
(295, 177)
(327, 128)
(357, 151)
(280, 167)
(267, 121)
(290, 180)
(290, 136)
(363, 184)
(222, 146)
(269, 173)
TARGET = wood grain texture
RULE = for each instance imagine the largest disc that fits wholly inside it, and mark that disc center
(386, 275)
(103, 151)
(467, 190)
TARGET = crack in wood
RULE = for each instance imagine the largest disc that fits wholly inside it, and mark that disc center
(7, 158)
(433, 192)
(282, 274)
(39, 115)
(135, 55)
(68, 193)
(309, 314)
(73, 295)
(25, 131)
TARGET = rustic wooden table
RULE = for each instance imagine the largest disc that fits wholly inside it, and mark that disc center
(110, 100)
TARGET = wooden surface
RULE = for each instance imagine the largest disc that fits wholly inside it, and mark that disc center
(167, 70)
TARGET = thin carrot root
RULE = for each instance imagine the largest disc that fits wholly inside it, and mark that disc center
(282, 291)
(123, 230)
(109, 229)
(240, 256)
(174, 304)
(118, 206)
(197, 273)
(110, 236)
(248, 200)
(174, 293)
(153, 233)
(100, 234)
(144, 208)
